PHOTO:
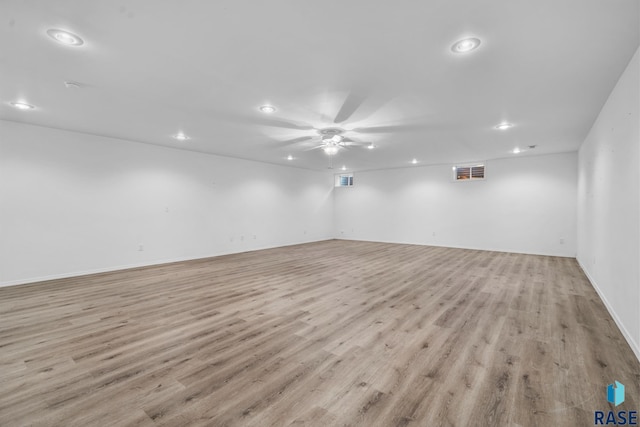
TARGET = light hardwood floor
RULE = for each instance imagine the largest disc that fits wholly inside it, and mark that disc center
(324, 334)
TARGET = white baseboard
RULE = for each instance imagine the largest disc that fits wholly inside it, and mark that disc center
(627, 336)
(32, 280)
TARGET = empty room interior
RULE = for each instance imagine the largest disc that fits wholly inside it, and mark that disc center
(332, 213)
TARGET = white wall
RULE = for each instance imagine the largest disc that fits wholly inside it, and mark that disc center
(73, 203)
(608, 204)
(526, 204)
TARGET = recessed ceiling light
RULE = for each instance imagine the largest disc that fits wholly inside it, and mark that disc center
(331, 149)
(268, 109)
(516, 150)
(65, 37)
(414, 161)
(289, 157)
(465, 45)
(22, 106)
(344, 168)
(504, 126)
(180, 136)
(371, 146)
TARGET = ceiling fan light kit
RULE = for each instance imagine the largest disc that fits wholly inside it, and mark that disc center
(331, 149)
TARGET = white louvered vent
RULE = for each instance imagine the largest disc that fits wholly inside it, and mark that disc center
(344, 180)
(468, 172)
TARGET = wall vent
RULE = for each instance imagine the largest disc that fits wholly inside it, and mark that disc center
(468, 172)
(344, 180)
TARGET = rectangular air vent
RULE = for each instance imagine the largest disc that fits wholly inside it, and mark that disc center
(468, 172)
(344, 180)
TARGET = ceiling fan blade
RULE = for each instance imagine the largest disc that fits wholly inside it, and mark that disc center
(394, 128)
(314, 148)
(354, 141)
(263, 121)
(293, 141)
(350, 142)
(353, 101)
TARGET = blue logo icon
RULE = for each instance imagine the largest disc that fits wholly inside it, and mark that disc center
(615, 393)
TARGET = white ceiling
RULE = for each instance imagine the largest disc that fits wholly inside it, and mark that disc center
(150, 69)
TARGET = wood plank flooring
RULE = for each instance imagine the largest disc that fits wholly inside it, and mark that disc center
(334, 333)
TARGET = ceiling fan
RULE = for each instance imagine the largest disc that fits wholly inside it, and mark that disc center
(333, 139)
